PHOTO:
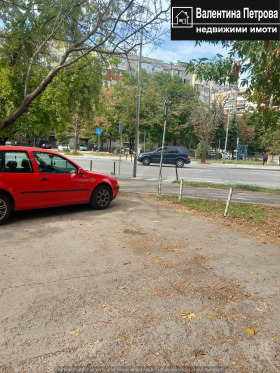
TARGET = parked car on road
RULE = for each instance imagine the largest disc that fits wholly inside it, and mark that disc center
(32, 178)
(226, 155)
(178, 155)
(82, 147)
(46, 145)
(64, 147)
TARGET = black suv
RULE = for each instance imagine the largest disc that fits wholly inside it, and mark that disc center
(178, 155)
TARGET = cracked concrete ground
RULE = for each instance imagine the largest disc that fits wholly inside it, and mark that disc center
(140, 284)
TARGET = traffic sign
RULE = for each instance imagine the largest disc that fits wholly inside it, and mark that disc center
(98, 131)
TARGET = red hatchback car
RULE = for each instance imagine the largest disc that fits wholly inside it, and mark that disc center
(32, 178)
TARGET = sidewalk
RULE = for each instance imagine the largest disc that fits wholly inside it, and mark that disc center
(168, 188)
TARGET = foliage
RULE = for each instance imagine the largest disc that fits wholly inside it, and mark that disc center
(200, 147)
(40, 38)
(232, 133)
(258, 65)
(119, 104)
(205, 119)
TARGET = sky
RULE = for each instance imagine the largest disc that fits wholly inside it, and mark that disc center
(184, 51)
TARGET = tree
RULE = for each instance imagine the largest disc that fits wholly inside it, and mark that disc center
(40, 38)
(155, 89)
(232, 133)
(205, 118)
(256, 63)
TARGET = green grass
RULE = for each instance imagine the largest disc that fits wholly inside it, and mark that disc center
(239, 187)
(246, 213)
(233, 161)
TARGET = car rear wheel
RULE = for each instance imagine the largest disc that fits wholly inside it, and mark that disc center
(180, 163)
(5, 208)
(101, 197)
(146, 161)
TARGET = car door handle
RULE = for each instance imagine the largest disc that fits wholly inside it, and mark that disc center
(44, 179)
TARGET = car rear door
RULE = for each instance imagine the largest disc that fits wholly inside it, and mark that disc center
(171, 154)
(59, 182)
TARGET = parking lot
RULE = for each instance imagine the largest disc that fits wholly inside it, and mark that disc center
(143, 283)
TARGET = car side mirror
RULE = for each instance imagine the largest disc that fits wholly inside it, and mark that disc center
(80, 171)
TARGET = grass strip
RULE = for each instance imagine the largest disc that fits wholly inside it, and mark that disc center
(239, 187)
(257, 220)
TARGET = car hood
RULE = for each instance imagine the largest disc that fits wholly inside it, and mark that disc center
(144, 154)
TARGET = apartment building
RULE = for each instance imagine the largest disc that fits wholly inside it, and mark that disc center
(130, 64)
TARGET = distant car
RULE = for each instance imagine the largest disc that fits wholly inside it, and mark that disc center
(178, 155)
(32, 178)
(215, 155)
(94, 147)
(227, 155)
(46, 145)
(118, 150)
(82, 147)
(8, 143)
(64, 147)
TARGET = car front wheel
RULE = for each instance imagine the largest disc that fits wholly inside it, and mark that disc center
(146, 161)
(180, 163)
(5, 208)
(101, 197)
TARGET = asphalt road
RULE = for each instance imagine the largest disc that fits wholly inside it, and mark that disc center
(143, 284)
(147, 179)
(264, 176)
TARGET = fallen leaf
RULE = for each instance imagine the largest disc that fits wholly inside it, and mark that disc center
(75, 332)
(158, 260)
(251, 331)
(106, 321)
(121, 287)
(125, 263)
(188, 315)
(272, 339)
(259, 309)
(126, 336)
(102, 305)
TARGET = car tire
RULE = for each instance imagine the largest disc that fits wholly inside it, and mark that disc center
(179, 163)
(101, 197)
(146, 161)
(5, 208)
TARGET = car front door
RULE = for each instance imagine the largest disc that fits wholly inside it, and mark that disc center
(157, 155)
(17, 176)
(59, 182)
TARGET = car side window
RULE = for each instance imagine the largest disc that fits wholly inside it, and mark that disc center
(49, 163)
(15, 162)
(158, 151)
(172, 150)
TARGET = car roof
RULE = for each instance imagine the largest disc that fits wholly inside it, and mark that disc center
(22, 148)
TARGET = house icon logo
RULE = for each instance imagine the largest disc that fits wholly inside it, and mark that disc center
(182, 17)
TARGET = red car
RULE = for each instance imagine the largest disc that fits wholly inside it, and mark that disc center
(32, 178)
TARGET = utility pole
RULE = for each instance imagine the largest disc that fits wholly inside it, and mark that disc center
(165, 111)
(138, 107)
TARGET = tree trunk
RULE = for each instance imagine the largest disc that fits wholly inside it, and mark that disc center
(204, 151)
